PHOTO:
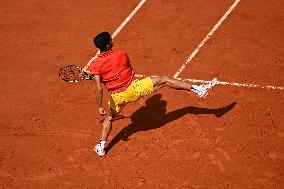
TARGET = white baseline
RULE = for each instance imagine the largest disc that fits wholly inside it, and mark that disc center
(249, 85)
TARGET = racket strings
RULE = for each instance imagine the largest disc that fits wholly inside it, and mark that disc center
(71, 73)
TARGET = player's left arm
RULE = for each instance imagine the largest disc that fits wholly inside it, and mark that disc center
(99, 94)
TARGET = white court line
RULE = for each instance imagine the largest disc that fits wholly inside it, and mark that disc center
(195, 51)
(249, 85)
(119, 28)
(206, 38)
(236, 84)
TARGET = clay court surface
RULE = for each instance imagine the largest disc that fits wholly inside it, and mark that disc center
(171, 139)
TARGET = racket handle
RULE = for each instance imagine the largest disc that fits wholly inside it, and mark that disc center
(85, 70)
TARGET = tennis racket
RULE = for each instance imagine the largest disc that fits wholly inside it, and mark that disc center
(72, 73)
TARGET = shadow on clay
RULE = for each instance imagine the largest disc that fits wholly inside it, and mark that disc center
(153, 116)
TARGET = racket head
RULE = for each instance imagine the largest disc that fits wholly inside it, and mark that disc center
(73, 73)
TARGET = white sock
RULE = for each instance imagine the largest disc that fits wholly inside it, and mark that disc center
(194, 88)
(103, 143)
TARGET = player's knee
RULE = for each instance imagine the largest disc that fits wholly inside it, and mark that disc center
(165, 79)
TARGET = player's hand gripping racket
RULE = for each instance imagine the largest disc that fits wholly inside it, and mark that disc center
(72, 73)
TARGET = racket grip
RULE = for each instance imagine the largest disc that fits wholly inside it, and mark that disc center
(85, 69)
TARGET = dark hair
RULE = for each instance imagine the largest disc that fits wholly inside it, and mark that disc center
(102, 40)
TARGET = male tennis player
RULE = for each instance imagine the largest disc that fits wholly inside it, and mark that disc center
(112, 68)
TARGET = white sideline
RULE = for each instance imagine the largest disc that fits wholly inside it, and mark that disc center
(249, 85)
(120, 27)
(206, 38)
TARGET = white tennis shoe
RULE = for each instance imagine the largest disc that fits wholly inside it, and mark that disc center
(203, 90)
(100, 150)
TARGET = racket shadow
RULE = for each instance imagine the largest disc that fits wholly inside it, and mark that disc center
(153, 116)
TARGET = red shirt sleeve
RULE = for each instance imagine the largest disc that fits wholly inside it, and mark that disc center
(94, 68)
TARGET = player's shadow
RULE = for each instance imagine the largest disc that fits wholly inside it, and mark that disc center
(153, 116)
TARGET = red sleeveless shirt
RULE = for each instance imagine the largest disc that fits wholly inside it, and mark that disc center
(115, 70)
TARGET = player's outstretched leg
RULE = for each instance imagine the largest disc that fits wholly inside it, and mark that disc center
(201, 90)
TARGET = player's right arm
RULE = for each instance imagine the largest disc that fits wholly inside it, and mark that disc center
(99, 94)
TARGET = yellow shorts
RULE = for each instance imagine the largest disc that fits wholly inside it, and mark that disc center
(136, 90)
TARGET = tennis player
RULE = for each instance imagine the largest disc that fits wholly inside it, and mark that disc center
(112, 68)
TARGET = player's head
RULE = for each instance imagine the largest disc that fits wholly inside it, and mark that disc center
(103, 41)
